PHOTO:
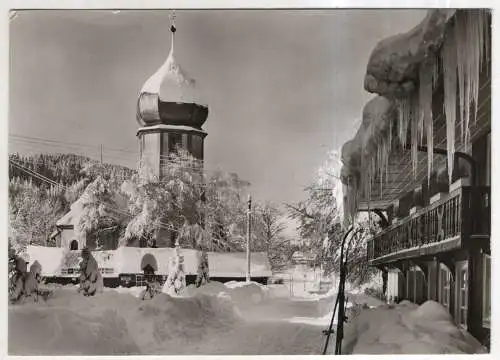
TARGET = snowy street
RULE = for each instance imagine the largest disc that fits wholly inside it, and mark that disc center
(226, 319)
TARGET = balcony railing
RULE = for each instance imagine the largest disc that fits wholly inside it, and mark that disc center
(462, 213)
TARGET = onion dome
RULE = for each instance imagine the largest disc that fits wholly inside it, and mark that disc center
(169, 96)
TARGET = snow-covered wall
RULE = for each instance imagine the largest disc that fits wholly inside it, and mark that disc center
(49, 257)
(127, 260)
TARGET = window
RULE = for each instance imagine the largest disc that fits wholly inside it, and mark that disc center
(174, 142)
(74, 245)
(197, 143)
(462, 294)
(488, 159)
(410, 285)
(444, 286)
(164, 144)
(487, 291)
(189, 145)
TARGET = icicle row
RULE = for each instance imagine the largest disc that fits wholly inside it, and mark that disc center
(449, 64)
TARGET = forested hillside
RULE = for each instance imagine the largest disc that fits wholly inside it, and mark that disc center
(42, 188)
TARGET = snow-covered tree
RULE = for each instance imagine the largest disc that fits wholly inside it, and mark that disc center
(225, 211)
(320, 224)
(101, 211)
(33, 212)
(172, 202)
(268, 224)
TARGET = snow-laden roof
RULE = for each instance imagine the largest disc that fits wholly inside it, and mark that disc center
(72, 218)
(377, 114)
(170, 84)
(393, 65)
(170, 73)
(74, 215)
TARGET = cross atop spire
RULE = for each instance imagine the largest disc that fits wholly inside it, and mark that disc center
(173, 29)
(172, 22)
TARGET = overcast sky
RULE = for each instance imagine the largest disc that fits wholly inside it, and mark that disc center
(283, 87)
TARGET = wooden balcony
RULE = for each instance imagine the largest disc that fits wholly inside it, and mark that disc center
(448, 224)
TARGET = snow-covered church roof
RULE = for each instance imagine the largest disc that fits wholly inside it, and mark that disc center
(73, 216)
(170, 96)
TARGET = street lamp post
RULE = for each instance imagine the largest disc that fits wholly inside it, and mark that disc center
(249, 213)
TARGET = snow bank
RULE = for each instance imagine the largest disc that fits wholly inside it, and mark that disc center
(115, 323)
(407, 329)
(241, 293)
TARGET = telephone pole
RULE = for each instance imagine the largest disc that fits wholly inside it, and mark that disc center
(249, 214)
(100, 147)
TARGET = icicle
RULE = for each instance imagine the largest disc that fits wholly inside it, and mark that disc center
(449, 64)
(427, 76)
(378, 162)
(414, 138)
(486, 24)
(404, 119)
(434, 68)
(475, 42)
(461, 48)
(389, 148)
(420, 114)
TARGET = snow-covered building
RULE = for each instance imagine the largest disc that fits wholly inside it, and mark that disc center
(170, 118)
(421, 160)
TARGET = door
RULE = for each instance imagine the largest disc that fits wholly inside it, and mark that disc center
(462, 293)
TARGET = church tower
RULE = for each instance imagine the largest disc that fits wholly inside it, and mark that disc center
(169, 115)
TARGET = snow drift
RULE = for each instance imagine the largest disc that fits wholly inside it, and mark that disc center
(115, 323)
(407, 329)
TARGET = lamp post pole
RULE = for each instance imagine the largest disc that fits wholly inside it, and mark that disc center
(249, 211)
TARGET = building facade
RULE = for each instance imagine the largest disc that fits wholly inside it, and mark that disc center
(421, 161)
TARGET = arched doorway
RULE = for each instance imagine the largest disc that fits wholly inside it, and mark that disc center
(149, 266)
(73, 245)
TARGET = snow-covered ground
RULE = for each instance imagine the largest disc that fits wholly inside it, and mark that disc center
(233, 318)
